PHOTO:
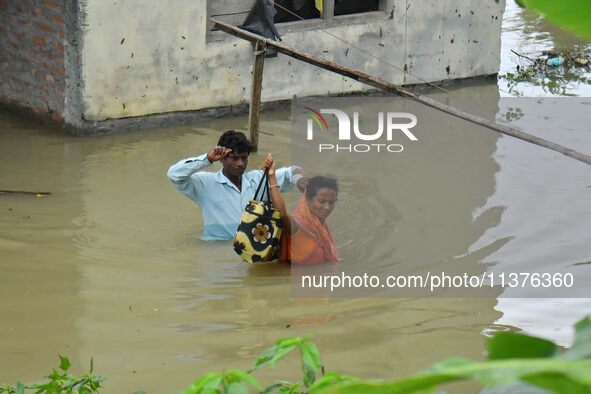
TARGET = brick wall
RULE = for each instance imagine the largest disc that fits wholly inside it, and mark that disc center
(32, 56)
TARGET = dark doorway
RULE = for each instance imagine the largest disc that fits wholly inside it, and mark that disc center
(347, 7)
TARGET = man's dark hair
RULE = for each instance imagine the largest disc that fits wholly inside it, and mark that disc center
(319, 182)
(236, 141)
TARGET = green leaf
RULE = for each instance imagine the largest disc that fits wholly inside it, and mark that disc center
(309, 376)
(272, 388)
(581, 347)
(557, 383)
(420, 384)
(571, 15)
(310, 355)
(206, 383)
(275, 353)
(64, 363)
(264, 357)
(574, 373)
(506, 345)
(332, 378)
(20, 388)
(236, 375)
(236, 388)
(272, 355)
(289, 341)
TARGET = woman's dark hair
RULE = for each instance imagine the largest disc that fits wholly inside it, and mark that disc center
(236, 141)
(319, 182)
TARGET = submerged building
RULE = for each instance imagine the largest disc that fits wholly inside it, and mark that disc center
(93, 65)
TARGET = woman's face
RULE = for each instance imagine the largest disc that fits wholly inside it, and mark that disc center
(322, 204)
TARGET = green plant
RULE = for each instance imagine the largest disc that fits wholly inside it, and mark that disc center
(61, 382)
(572, 15)
(513, 359)
(237, 382)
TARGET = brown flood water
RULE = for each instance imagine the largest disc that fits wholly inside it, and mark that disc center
(109, 265)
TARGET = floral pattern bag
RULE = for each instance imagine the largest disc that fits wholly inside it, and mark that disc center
(259, 232)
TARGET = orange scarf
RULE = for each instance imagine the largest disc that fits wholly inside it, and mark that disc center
(318, 231)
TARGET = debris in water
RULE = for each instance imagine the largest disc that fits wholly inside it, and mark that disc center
(555, 61)
(550, 69)
(36, 194)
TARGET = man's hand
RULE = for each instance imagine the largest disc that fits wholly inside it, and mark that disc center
(270, 164)
(302, 182)
(218, 153)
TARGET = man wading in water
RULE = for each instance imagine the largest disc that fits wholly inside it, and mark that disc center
(223, 195)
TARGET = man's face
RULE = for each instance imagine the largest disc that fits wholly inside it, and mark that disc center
(235, 164)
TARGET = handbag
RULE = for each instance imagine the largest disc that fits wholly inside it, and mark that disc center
(258, 236)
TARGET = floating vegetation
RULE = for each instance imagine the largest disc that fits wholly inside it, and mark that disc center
(557, 72)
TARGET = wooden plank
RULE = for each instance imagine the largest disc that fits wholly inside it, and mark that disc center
(401, 91)
(255, 93)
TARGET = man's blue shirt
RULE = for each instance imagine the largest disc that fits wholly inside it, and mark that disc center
(220, 200)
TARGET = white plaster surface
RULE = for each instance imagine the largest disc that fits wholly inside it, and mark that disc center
(149, 57)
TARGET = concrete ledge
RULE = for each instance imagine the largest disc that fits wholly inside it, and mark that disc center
(90, 128)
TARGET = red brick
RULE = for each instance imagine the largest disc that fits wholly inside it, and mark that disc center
(39, 40)
(51, 55)
(3, 4)
(59, 46)
(43, 27)
(24, 21)
(57, 70)
(57, 19)
(36, 12)
(52, 5)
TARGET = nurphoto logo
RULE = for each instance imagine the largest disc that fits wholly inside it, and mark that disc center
(394, 123)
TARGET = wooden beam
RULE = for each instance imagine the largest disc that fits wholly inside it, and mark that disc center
(255, 93)
(401, 91)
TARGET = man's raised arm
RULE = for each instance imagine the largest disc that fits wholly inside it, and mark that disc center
(180, 173)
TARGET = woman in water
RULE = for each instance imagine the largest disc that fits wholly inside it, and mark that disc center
(306, 237)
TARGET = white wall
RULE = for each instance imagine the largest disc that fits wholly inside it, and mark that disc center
(170, 73)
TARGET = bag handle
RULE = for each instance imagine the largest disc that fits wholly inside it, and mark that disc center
(264, 180)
